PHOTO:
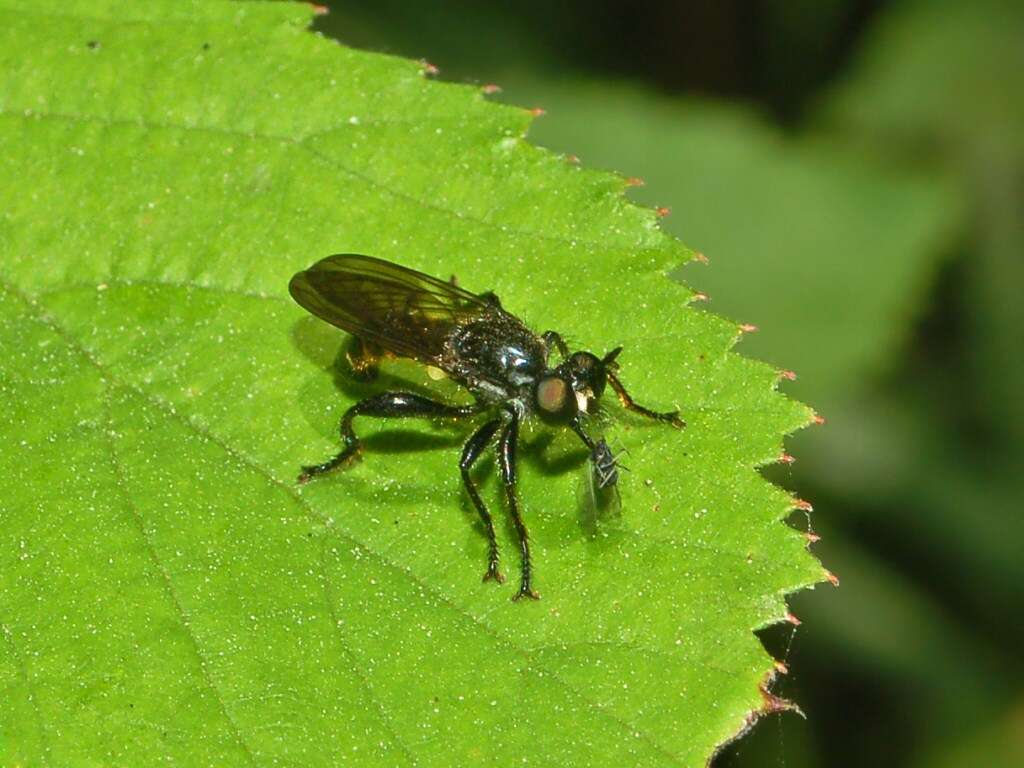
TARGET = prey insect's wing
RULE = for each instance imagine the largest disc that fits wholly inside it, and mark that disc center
(405, 312)
(600, 500)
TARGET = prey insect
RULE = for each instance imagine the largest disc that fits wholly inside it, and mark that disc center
(507, 368)
(605, 465)
(601, 487)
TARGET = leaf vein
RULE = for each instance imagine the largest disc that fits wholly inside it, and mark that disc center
(300, 143)
(23, 671)
(119, 478)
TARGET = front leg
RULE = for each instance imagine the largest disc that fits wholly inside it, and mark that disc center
(507, 463)
(385, 405)
(554, 340)
(672, 417)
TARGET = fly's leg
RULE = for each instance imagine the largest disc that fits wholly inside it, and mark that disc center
(507, 463)
(363, 359)
(672, 417)
(577, 426)
(553, 339)
(385, 405)
(470, 453)
(489, 296)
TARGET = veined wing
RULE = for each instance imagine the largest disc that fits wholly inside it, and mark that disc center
(405, 312)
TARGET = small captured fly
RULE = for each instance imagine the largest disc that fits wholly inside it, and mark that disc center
(605, 465)
(601, 498)
(398, 312)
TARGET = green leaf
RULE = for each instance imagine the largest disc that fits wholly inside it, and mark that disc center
(168, 593)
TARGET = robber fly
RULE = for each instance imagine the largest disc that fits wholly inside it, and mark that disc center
(395, 311)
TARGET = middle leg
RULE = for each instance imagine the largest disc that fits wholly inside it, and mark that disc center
(507, 462)
(470, 453)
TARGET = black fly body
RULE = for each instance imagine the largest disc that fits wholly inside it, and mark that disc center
(398, 312)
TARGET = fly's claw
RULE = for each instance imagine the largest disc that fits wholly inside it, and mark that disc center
(343, 459)
(493, 574)
(525, 591)
(363, 365)
(672, 417)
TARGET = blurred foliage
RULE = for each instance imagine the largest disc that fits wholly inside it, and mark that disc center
(892, 187)
(941, 83)
(864, 242)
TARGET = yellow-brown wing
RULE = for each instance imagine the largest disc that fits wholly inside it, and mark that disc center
(405, 312)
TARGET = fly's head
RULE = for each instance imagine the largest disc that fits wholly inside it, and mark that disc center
(573, 387)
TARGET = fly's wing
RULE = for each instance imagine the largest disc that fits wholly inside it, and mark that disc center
(405, 312)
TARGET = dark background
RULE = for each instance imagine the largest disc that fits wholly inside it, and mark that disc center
(854, 170)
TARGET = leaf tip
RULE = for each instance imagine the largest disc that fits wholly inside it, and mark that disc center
(770, 704)
(802, 505)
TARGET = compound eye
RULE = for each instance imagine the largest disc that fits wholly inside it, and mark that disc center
(555, 397)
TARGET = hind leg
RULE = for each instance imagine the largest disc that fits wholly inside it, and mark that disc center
(386, 405)
(363, 357)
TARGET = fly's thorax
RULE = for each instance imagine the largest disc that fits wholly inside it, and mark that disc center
(497, 350)
(488, 390)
